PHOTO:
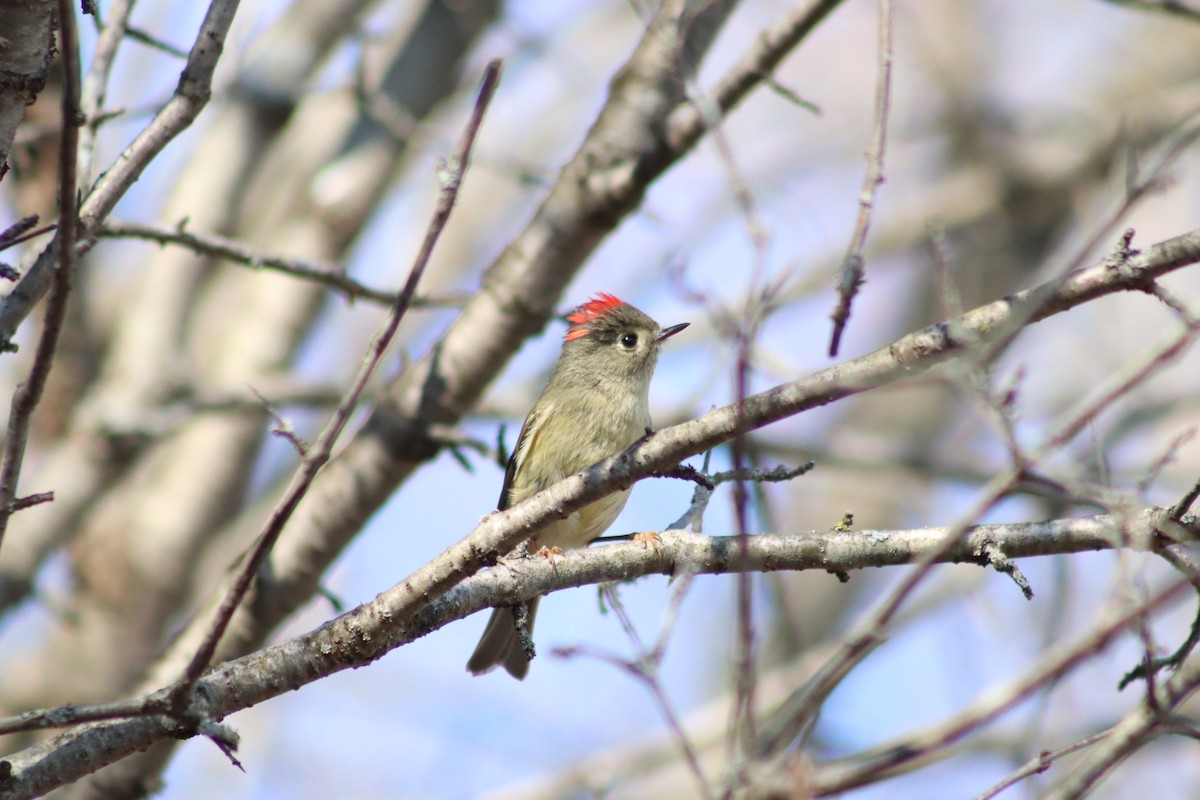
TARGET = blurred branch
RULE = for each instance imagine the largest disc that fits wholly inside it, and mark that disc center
(192, 94)
(866, 635)
(95, 84)
(1154, 715)
(853, 265)
(908, 752)
(1151, 665)
(1185, 503)
(1174, 8)
(29, 394)
(688, 124)
(645, 668)
(1039, 764)
(327, 274)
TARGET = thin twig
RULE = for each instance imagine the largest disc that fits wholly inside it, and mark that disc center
(1153, 715)
(148, 39)
(1169, 455)
(743, 325)
(18, 228)
(326, 273)
(95, 86)
(1130, 378)
(25, 237)
(450, 179)
(851, 276)
(64, 716)
(645, 668)
(780, 474)
(686, 472)
(690, 122)
(1040, 763)
(1151, 664)
(1185, 503)
(26, 400)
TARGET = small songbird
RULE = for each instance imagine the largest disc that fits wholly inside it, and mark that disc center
(596, 403)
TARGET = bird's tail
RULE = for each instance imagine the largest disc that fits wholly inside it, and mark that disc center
(500, 644)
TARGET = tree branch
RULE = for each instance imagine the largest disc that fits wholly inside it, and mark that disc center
(332, 275)
(366, 633)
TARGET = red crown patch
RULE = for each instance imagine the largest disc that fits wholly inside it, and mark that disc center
(598, 307)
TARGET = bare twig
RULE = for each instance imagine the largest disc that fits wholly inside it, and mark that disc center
(1003, 564)
(1151, 665)
(95, 86)
(1039, 764)
(11, 234)
(282, 427)
(780, 474)
(1122, 383)
(1168, 456)
(328, 274)
(689, 123)
(25, 237)
(1155, 714)
(30, 500)
(1185, 502)
(148, 39)
(851, 276)
(65, 716)
(26, 400)
(648, 677)
(685, 472)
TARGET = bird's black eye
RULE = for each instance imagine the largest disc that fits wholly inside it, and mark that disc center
(629, 341)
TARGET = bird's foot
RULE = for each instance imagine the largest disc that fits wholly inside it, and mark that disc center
(649, 539)
(549, 553)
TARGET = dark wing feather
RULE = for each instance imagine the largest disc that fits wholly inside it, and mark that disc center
(529, 431)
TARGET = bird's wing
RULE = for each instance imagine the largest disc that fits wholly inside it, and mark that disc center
(529, 434)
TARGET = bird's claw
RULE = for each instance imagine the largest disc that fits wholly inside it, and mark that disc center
(649, 539)
(549, 553)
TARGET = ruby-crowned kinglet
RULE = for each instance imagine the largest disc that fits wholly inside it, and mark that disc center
(595, 404)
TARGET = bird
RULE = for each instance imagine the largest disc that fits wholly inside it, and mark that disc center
(595, 404)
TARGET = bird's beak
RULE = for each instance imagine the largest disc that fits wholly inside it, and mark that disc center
(667, 333)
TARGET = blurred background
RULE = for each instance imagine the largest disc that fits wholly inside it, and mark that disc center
(1015, 130)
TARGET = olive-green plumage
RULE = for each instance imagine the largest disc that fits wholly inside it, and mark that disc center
(596, 403)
